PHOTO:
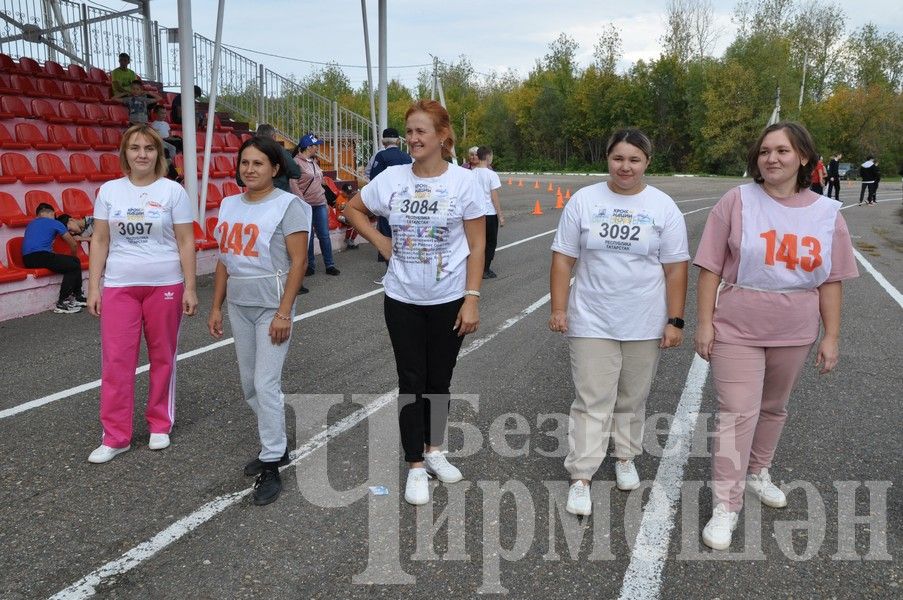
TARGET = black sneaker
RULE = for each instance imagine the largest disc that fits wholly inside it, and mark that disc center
(489, 274)
(65, 308)
(267, 486)
(309, 271)
(303, 290)
(332, 271)
(79, 300)
(255, 467)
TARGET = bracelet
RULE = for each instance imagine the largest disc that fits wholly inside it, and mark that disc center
(283, 317)
(472, 293)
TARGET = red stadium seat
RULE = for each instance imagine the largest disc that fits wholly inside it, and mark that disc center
(119, 115)
(84, 165)
(49, 89)
(56, 70)
(28, 133)
(13, 106)
(11, 213)
(44, 110)
(77, 203)
(30, 66)
(74, 113)
(51, 164)
(75, 91)
(210, 229)
(214, 198)
(14, 259)
(17, 165)
(99, 114)
(61, 135)
(91, 136)
(245, 137)
(77, 72)
(61, 247)
(98, 76)
(109, 163)
(8, 65)
(35, 197)
(111, 136)
(8, 275)
(8, 142)
(101, 93)
(5, 86)
(23, 85)
(179, 162)
(224, 165)
(230, 188)
(201, 241)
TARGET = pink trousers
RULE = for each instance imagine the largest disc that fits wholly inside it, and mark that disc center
(753, 386)
(124, 312)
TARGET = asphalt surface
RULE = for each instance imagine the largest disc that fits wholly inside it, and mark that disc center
(169, 524)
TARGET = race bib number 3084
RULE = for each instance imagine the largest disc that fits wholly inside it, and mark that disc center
(620, 230)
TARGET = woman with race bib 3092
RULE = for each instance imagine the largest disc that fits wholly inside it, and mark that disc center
(432, 286)
(143, 248)
(772, 258)
(262, 236)
(626, 244)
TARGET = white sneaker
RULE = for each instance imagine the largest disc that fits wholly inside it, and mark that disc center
(720, 528)
(626, 476)
(767, 492)
(104, 454)
(417, 489)
(379, 281)
(579, 501)
(440, 468)
(158, 441)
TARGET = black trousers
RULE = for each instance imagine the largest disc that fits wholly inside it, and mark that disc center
(834, 186)
(492, 238)
(817, 188)
(66, 264)
(426, 350)
(872, 187)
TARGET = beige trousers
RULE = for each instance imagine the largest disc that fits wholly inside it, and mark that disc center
(612, 381)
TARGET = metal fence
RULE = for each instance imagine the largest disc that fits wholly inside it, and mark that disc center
(76, 32)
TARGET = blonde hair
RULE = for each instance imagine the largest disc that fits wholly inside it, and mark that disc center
(160, 167)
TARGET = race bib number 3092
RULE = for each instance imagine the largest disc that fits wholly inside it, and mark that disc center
(620, 230)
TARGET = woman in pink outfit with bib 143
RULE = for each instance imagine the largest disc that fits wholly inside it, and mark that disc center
(772, 258)
(143, 247)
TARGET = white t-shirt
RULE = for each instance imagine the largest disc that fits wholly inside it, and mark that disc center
(161, 127)
(143, 249)
(620, 243)
(487, 180)
(429, 247)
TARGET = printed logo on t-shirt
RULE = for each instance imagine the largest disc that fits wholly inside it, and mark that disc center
(620, 230)
(141, 223)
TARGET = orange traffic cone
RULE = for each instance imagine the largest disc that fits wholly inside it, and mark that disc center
(567, 195)
(558, 192)
(537, 209)
(509, 181)
(520, 183)
(536, 185)
(550, 187)
(559, 200)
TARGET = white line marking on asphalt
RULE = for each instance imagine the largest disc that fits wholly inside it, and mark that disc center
(643, 578)
(86, 586)
(882, 281)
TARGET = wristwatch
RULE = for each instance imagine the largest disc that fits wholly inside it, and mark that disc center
(677, 322)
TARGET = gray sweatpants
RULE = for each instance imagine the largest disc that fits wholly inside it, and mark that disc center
(260, 367)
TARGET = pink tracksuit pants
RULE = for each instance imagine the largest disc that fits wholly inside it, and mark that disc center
(124, 312)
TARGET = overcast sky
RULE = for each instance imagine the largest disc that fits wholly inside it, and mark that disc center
(494, 35)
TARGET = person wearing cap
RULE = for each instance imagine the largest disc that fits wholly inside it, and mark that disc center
(121, 77)
(390, 156)
(309, 187)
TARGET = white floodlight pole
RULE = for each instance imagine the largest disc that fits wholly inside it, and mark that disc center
(383, 69)
(373, 120)
(211, 106)
(189, 124)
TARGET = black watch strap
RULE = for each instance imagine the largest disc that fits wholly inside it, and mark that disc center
(677, 322)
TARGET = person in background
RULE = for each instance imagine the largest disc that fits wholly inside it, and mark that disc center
(345, 195)
(771, 260)
(472, 159)
(121, 77)
(819, 177)
(432, 286)
(137, 100)
(37, 253)
(143, 250)
(262, 235)
(489, 184)
(309, 187)
(79, 228)
(200, 116)
(834, 176)
(389, 156)
(172, 145)
(625, 242)
(868, 171)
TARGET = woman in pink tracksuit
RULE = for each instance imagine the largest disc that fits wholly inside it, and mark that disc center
(143, 246)
(772, 258)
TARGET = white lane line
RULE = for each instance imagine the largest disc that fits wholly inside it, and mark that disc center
(882, 281)
(643, 578)
(697, 199)
(86, 586)
(32, 404)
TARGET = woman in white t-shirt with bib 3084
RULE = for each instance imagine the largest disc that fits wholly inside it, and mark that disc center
(432, 286)
(628, 241)
(143, 246)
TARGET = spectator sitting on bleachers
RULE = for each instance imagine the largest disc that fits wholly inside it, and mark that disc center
(199, 116)
(171, 145)
(80, 229)
(121, 77)
(37, 253)
(137, 99)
